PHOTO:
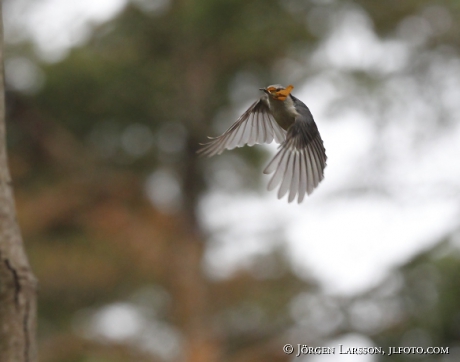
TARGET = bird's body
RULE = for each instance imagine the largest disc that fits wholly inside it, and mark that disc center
(277, 115)
(283, 112)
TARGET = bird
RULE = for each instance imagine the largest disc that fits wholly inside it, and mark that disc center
(299, 163)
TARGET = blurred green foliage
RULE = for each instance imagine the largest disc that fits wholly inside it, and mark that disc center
(137, 98)
(419, 305)
(80, 169)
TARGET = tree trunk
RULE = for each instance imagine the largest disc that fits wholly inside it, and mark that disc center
(17, 282)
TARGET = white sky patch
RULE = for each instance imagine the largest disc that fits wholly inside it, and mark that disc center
(431, 163)
(353, 45)
(342, 344)
(244, 228)
(163, 190)
(347, 244)
(117, 321)
(350, 245)
(23, 75)
(126, 323)
(56, 25)
(347, 143)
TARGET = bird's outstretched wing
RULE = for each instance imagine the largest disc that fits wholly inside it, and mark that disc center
(300, 162)
(256, 125)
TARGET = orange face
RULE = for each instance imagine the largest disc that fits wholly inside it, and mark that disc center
(282, 94)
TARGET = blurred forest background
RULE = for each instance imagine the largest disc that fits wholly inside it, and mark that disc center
(113, 201)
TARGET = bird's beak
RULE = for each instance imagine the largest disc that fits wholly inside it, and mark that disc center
(264, 90)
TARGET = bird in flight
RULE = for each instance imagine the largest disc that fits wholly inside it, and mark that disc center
(299, 164)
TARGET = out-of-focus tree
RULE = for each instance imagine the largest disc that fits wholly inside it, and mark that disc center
(138, 98)
(116, 125)
(416, 306)
(17, 282)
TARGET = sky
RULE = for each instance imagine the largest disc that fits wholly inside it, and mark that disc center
(366, 218)
(56, 25)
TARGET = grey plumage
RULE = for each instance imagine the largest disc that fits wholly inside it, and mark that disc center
(299, 164)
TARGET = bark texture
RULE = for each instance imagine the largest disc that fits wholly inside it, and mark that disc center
(17, 282)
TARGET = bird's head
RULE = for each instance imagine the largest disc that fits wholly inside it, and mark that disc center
(278, 92)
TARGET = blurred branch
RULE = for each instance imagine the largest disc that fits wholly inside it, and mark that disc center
(17, 282)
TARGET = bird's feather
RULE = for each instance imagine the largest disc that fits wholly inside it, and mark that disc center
(255, 126)
(298, 166)
(299, 163)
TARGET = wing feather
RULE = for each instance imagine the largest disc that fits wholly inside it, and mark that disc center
(303, 177)
(256, 125)
(299, 163)
(279, 164)
(288, 173)
(310, 174)
(295, 177)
